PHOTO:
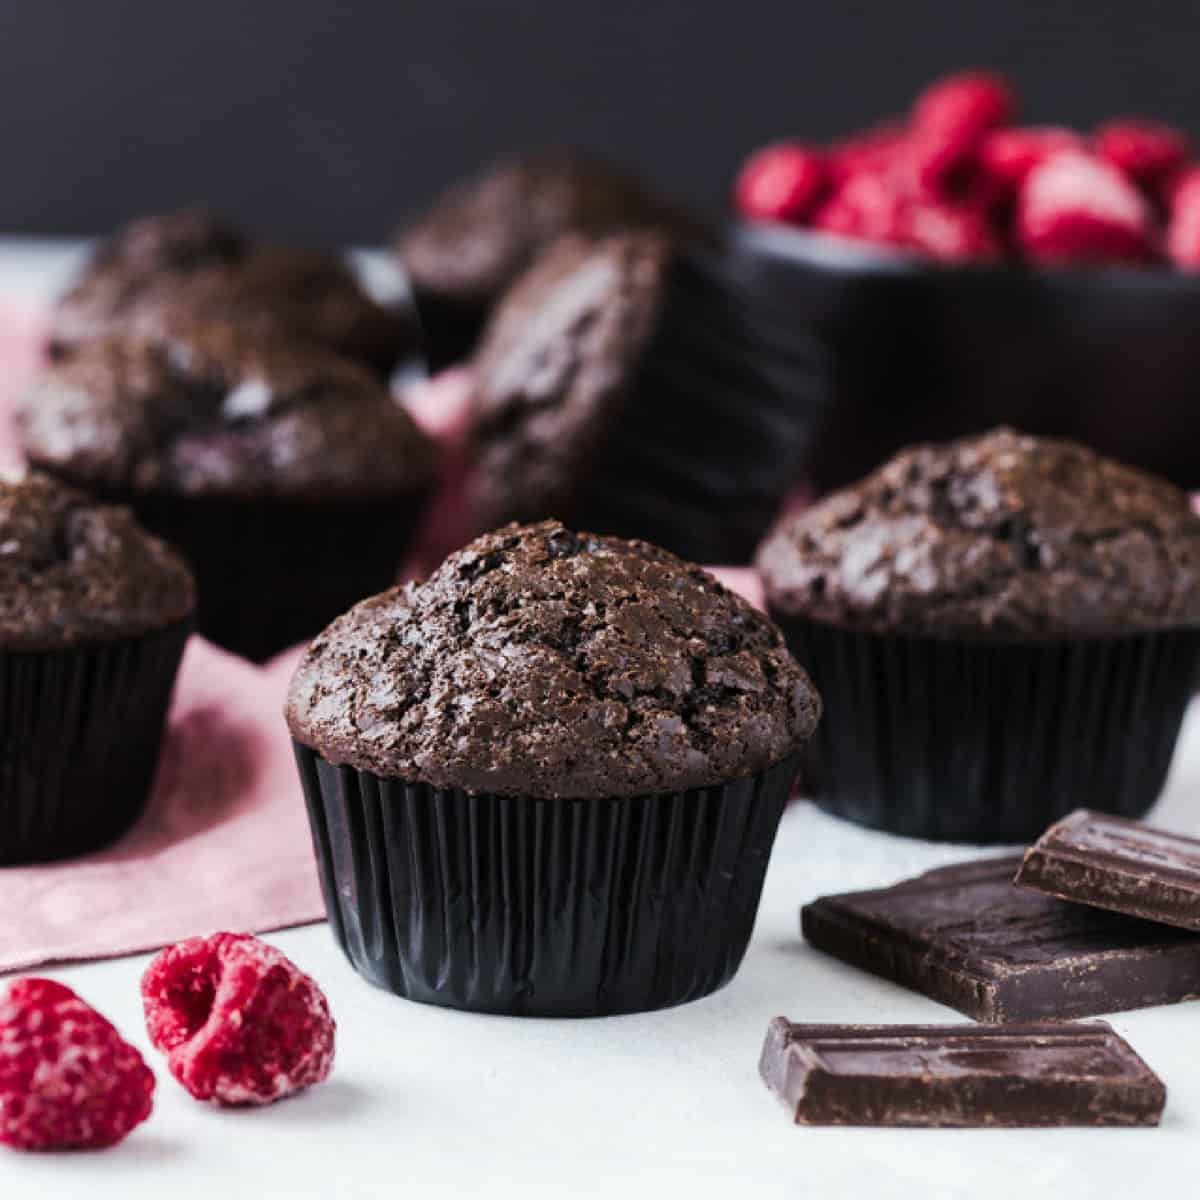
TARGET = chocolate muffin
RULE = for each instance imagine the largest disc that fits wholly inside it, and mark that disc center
(289, 477)
(477, 238)
(544, 770)
(619, 386)
(94, 614)
(1004, 628)
(161, 272)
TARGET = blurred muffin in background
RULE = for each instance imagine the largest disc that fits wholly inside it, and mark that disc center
(288, 476)
(624, 384)
(482, 233)
(94, 614)
(1004, 628)
(162, 270)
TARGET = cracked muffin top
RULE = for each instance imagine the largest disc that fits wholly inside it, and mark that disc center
(74, 570)
(187, 266)
(483, 233)
(215, 410)
(1001, 535)
(556, 363)
(545, 663)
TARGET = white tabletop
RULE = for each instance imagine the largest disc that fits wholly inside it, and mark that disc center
(426, 1102)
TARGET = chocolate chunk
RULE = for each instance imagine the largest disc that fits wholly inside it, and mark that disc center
(956, 1075)
(1113, 863)
(965, 936)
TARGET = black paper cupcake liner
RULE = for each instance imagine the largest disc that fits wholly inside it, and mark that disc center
(80, 732)
(553, 908)
(705, 446)
(449, 331)
(980, 741)
(270, 574)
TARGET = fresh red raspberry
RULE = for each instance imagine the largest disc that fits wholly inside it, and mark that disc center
(1147, 151)
(1075, 207)
(949, 233)
(781, 183)
(979, 100)
(1006, 156)
(869, 207)
(949, 120)
(872, 153)
(68, 1080)
(238, 1021)
(1171, 186)
(1183, 231)
(875, 208)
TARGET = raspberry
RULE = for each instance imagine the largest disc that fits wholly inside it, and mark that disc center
(976, 100)
(949, 120)
(949, 233)
(781, 183)
(873, 152)
(1006, 156)
(1171, 186)
(1075, 207)
(875, 208)
(68, 1080)
(238, 1021)
(1148, 152)
(1183, 232)
(869, 207)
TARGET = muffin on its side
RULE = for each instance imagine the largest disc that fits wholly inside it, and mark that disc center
(560, 763)
(1004, 628)
(619, 385)
(290, 478)
(94, 614)
(481, 234)
(189, 266)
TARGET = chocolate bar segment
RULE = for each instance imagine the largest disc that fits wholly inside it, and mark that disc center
(965, 936)
(959, 1075)
(1113, 863)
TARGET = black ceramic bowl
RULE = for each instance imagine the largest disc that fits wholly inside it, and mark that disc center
(918, 351)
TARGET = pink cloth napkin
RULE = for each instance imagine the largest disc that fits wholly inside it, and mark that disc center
(224, 843)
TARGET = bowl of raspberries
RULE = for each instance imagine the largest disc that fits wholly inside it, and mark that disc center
(962, 269)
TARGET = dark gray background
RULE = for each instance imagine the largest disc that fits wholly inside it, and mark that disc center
(328, 121)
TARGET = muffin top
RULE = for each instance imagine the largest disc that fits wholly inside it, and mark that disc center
(481, 234)
(554, 366)
(546, 663)
(179, 241)
(73, 570)
(1000, 535)
(188, 266)
(216, 410)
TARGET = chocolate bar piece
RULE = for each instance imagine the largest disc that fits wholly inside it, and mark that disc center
(965, 936)
(1114, 863)
(959, 1075)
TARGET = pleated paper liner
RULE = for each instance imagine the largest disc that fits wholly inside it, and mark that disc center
(554, 908)
(270, 574)
(979, 741)
(706, 444)
(80, 731)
